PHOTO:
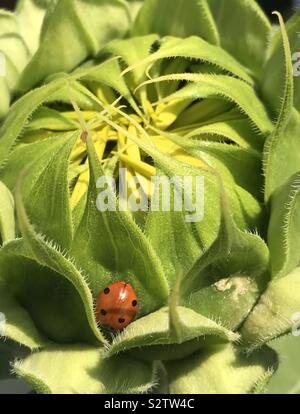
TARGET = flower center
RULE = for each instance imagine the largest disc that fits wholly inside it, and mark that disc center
(112, 135)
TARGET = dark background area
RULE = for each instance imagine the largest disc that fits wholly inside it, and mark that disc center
(7, 4)
(285, 6)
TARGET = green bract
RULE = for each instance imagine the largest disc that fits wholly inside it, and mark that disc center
(204, 90)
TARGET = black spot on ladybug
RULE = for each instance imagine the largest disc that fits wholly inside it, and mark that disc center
(134, 302)
(106, 290)
(103, 312)
(155, 46)
(121, 320)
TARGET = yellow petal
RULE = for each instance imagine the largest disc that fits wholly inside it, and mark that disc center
(175, 151)
(80, 188)
(139, 166)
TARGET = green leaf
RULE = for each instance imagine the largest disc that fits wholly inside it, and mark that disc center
(74, 90)
(243, 164)
(8, 352)
(50, 119)
(205, 228)
(182, 246)
(234, 165)
(132, 51)
(7, 217)
(48, 255)
(238, 131)
(46, 188)
(180, 237)
(110, 246)
(59, 89)
(278, 141)
(227, 88)
(226, 288)
(185, 242)
(14, 49)
(18, 324)
(225, 282)
(134, 7)
(153, 330)
(188, 17)
(108, 73)
(195, 48)
(286, 379)
(20, 112)
(274, 76)
(40, 302)
(236, 21)
(84, 372)
(19, 38)
(29, 17)
(281, 155)
(284, 227)
(78, 212)
(80, 27)
(277, 306)
(162, 386)
(11, 47)
(219, 248)
(221, 370)
(8, 23)
(5, 98)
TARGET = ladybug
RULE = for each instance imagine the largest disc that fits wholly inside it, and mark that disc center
(117, 305)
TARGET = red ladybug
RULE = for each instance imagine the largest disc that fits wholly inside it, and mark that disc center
(117, 305)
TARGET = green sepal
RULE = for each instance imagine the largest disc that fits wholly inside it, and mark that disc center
(238, 131)
(277, 305)
(51, 119)
(274, 75)
(230, 162)
(281, 153)
(284, 227)
(188, 17)
(235, 20)
(277, 143)
(82, 29)
(153, 330)
(7, 216)
(228, 288)
(286, 378)
(8, 352)
(221, 369)
(85, 371)
(50, 256)
(20, 112)
(194, 48)
(18, 43)
(132, 51)
(46, 188)
(42, 304)
(18, 325)
(242, 95)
